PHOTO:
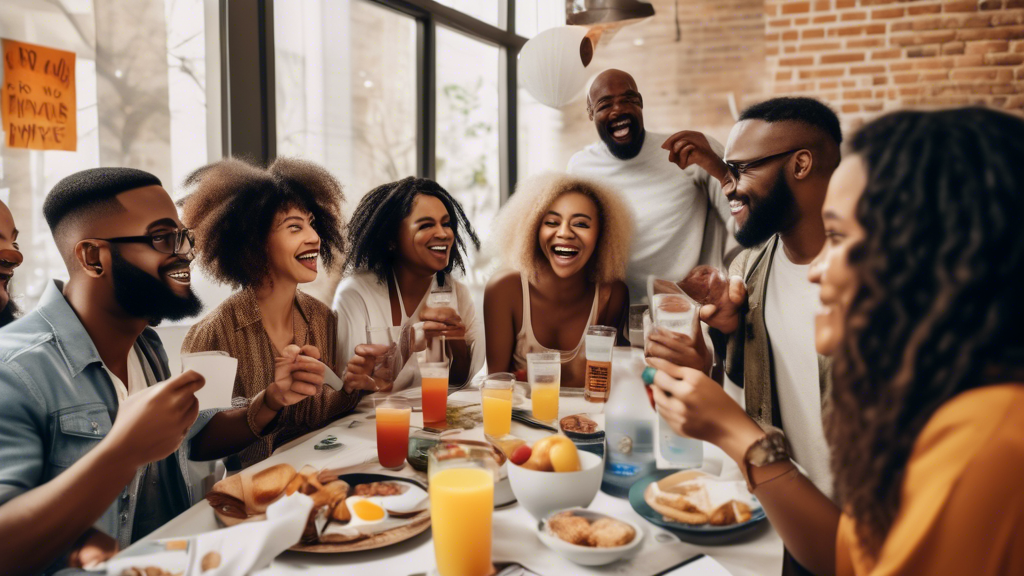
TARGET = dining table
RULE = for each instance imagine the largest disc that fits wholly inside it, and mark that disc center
(757, 550)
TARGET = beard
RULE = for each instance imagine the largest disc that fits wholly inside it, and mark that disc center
(143, 296)
(629, 149)
(769, 216)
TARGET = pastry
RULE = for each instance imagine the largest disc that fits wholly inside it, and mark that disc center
(609, 533)
(210, 561)
(579, 424)
(699, 500)
(247, 494)
(570, 527)
(330, 493)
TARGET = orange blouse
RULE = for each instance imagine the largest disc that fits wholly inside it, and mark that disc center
(962, 505)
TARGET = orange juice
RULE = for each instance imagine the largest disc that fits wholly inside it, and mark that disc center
(435, 391)
(545, 402)
(497, 407)
(392, 436)
(461, 504)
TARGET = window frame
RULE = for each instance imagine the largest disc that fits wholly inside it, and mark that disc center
(247, 29)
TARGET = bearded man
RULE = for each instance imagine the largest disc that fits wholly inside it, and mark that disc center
(94, 433)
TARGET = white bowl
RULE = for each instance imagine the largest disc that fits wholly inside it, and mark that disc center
(587, 555)
(544, 492)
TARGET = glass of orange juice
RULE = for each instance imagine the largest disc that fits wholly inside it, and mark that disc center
(392, 415)
(434, 380)
(496, 400)
(461, 479)
(544, 371)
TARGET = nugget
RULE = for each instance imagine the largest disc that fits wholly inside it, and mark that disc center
(570, 527)
(609, 533)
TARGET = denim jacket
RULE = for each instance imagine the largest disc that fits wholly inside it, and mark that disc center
(57, 402)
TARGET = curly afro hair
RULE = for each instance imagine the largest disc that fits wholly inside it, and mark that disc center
(378, 216)
(233, 204)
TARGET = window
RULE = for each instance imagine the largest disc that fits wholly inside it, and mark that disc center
(376, 90)
(141, 85)
(468, 130)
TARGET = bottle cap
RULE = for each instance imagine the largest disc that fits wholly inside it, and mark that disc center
(648, 375)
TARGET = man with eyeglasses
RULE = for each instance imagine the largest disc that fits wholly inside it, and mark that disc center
(780, 157)
(94, 433)
(681, 216)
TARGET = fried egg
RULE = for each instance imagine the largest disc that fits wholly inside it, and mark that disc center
(412, 500)
(365, 510)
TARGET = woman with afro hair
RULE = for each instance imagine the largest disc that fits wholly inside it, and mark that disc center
(406, 237)
(565, 242)
(262, 231)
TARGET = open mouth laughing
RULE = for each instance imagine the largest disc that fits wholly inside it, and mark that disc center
(308, 259)
(180, 275)
(621, 129)
(738, 206)
(439, 251)
(564, 254)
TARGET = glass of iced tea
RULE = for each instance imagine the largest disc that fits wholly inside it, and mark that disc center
(392, 415)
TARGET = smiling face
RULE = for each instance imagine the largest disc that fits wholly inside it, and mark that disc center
(293, 246)
(568, 233)
(616, 107)
(146, 283)
(425, 236)
(10, 256)
(832, 269)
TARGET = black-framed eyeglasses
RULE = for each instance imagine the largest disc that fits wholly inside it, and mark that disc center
(735, 169)
(180, 241)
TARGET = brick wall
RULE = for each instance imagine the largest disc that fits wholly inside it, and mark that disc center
(863, 57)
(868, 56)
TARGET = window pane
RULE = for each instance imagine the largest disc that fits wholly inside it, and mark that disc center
(544, 143)
(467, 130)
(141, 103)
(533, 16)
(345, 98)
(483, 10)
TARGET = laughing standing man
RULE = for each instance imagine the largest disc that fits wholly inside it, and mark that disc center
(673, 185)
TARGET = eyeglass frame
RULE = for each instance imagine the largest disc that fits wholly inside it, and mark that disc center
(179, 235)
(733, 168)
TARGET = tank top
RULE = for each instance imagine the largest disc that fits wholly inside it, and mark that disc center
(574, 362)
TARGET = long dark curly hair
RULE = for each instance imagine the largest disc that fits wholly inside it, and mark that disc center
(939, 309)
(233, 205)
(373, 227)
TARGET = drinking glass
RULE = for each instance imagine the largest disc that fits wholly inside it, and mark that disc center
(636, 325)
(384, 370)
(434, 381)
(440, 296)
(671, 308)
(461, 479)
(392, 415)
(544, 371)
(496, 400)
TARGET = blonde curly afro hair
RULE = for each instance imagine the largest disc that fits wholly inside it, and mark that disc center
(514, 235)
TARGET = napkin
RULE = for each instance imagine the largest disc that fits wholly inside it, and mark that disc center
(234, 551)
(219, 371)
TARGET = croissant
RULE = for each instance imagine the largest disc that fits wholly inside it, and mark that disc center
(248, 494)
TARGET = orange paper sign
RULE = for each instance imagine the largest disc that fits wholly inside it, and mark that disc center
(38, 97)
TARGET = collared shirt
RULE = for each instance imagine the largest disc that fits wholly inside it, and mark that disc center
(57, 403)
(236, 327)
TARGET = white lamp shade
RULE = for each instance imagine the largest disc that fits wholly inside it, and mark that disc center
(551, 68)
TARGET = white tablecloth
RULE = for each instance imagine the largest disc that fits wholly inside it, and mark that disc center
(759, 552)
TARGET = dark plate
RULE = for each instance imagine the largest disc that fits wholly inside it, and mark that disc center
(636, 499)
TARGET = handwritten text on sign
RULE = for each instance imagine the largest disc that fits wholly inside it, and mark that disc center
(38, 97)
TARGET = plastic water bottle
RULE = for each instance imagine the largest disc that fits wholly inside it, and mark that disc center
(629, 423)
(673, 451)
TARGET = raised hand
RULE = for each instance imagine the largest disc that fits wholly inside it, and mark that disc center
(298, 374)
(359, 371)
(442, 321)
(679, 349)
(688, 147)
(151, 424)
(724, 315)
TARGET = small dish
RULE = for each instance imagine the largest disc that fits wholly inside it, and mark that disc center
(588, 555)
(641, 507)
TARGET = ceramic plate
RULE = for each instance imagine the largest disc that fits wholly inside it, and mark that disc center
(636, 499)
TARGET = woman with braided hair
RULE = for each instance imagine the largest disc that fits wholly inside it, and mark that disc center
(921, 308)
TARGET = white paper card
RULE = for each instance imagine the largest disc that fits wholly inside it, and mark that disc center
(704, 566)
(219, 371)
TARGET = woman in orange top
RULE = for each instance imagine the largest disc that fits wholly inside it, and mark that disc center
(922, 309)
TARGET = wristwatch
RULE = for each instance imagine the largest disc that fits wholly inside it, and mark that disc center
(770, 448)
